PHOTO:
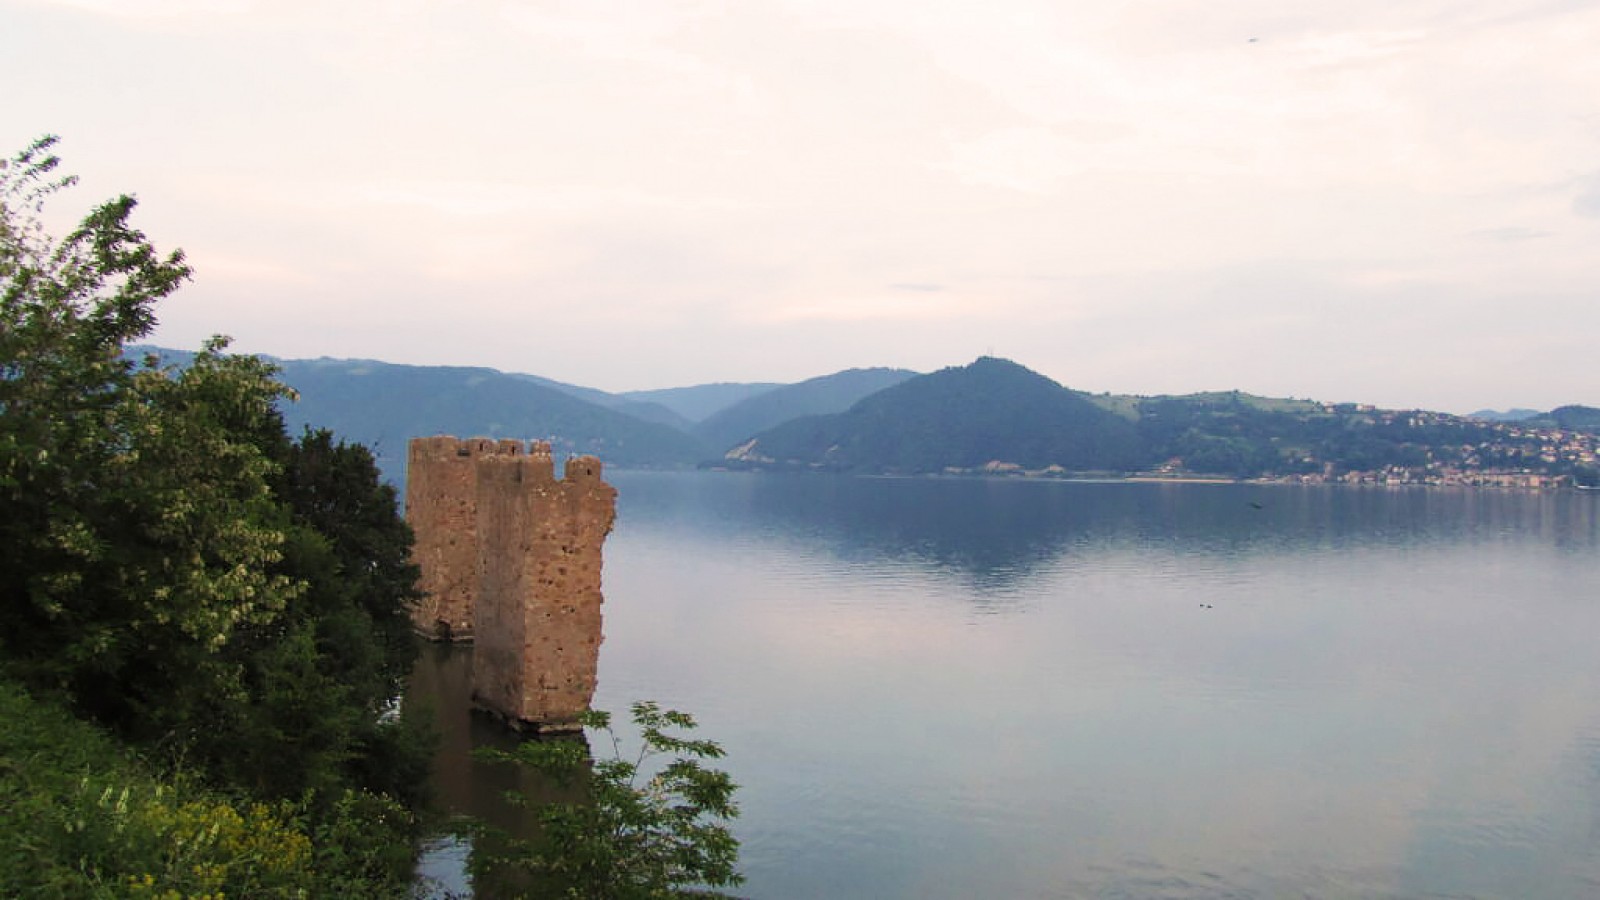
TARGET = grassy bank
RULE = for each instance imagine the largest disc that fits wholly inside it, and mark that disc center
(85, 817)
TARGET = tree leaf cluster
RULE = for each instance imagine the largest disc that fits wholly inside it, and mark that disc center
(650, 824)
(179, 569)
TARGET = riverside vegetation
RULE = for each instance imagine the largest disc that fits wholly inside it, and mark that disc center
(203, 619)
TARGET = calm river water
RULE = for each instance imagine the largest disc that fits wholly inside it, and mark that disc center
(965, 688)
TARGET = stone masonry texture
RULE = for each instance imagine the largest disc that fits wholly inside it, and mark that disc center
(511, 559)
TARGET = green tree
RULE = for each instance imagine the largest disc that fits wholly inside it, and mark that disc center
(324, 675)
(139, 527)
(177, 568)
(647, 826)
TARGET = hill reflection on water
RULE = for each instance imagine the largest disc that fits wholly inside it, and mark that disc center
(997, 531)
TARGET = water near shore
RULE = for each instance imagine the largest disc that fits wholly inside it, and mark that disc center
(990, 688)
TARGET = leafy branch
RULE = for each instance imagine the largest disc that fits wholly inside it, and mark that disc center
(653, 823)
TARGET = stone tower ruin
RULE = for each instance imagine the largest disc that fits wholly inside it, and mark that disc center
(510, 560)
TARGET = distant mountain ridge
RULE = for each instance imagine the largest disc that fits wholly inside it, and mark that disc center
(701, 401)
(647, 410)
(1510, 415)
(384, 405)
(992, 411)
(814, 396)
(992, 416)
(996, 417)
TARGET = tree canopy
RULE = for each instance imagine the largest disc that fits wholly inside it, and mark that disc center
(178, 567)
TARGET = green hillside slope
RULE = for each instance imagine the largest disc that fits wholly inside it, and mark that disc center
(958, 418)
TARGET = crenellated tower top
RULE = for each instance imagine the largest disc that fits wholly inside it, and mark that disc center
(535, 458)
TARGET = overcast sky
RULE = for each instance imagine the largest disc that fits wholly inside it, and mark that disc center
(1389, 201)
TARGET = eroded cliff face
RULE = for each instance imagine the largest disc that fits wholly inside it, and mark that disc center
(511, 559)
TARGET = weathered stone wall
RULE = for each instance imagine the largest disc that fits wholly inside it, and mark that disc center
(538, 625)
(441, 505)
(513, 558)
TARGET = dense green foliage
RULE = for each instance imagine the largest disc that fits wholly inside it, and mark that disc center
(652, 825)
(83, 818)
(813, 397)
(1578, 418)
(178, 569)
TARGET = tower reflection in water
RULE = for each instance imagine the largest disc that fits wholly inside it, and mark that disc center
(478, 820)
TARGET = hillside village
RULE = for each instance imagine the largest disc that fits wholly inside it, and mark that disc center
(1513, 455)
(1506, 455)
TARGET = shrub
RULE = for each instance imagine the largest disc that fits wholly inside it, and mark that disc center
(651, 825)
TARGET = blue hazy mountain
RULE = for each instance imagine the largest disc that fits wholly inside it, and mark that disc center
(384, 405)
(992, 411)
(647, 410)
(993, 415)
(1507, 415)
(816, 396)
(701, 401)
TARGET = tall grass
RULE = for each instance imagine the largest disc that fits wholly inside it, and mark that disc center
(82, 817)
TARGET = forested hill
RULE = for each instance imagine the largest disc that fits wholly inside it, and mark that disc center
(957, 418)
(385, 405)
(995, 416)
(1576, 418)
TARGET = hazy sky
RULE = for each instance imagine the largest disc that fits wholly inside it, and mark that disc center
(1391, 201)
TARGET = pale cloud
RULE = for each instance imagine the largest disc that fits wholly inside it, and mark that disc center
(258, 270)
(481, 199)
(634, 33)
(771, 181)
(155, 9)
(1032, 159)
(895, 305)
(1510, 233)
(1587, 203)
